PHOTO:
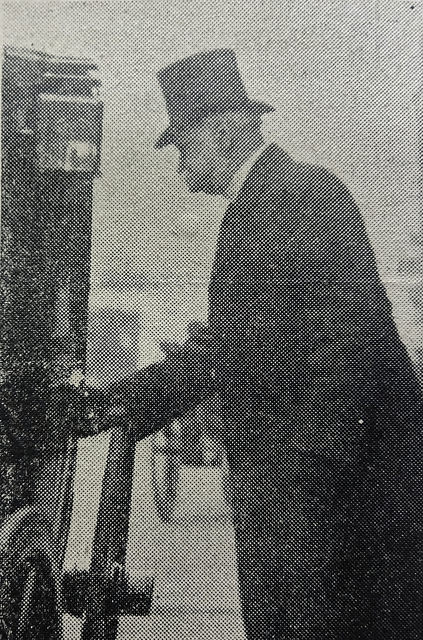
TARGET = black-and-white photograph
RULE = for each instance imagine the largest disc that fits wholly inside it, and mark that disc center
(211, 381)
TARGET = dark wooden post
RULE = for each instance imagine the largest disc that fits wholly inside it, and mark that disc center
(107, 569)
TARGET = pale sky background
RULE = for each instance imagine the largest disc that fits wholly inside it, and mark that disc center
(343, 76)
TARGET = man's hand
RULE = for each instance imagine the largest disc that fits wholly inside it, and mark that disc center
(200, 342)
(82, 409)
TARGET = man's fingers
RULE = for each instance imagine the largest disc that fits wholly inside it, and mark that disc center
(175, 349)
(170, 348)
(196, 327)
(199, 341)
(199, 332)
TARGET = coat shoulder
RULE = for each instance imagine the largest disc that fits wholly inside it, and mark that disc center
(303, 179)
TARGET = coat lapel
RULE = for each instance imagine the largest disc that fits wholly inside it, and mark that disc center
(241, 222)
(239, 212)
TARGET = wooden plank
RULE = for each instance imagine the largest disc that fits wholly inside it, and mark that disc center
(111, 536)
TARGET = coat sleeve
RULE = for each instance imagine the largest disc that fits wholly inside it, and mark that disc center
(154, 396)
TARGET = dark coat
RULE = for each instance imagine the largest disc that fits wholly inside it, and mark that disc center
(322, 414)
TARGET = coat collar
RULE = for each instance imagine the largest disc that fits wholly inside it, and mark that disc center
(241, 174)
(272, 167)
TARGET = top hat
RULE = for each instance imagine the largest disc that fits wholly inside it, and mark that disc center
(202, 85)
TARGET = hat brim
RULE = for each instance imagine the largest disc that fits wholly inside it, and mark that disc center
(168, 135)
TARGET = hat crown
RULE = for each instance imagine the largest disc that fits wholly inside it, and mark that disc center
(201, 81)
(200, 85)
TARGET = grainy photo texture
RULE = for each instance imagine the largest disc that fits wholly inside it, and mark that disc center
(212, 353)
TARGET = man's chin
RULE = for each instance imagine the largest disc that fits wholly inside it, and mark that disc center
(198, 186)
(195, 188)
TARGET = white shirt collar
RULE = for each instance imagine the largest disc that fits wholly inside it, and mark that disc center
(240, 175)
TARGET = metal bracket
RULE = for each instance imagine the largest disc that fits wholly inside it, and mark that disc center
(123, 594)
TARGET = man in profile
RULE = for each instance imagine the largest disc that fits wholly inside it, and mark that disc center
(321, 410)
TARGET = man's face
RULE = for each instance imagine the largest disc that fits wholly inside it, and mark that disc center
(200, 158)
